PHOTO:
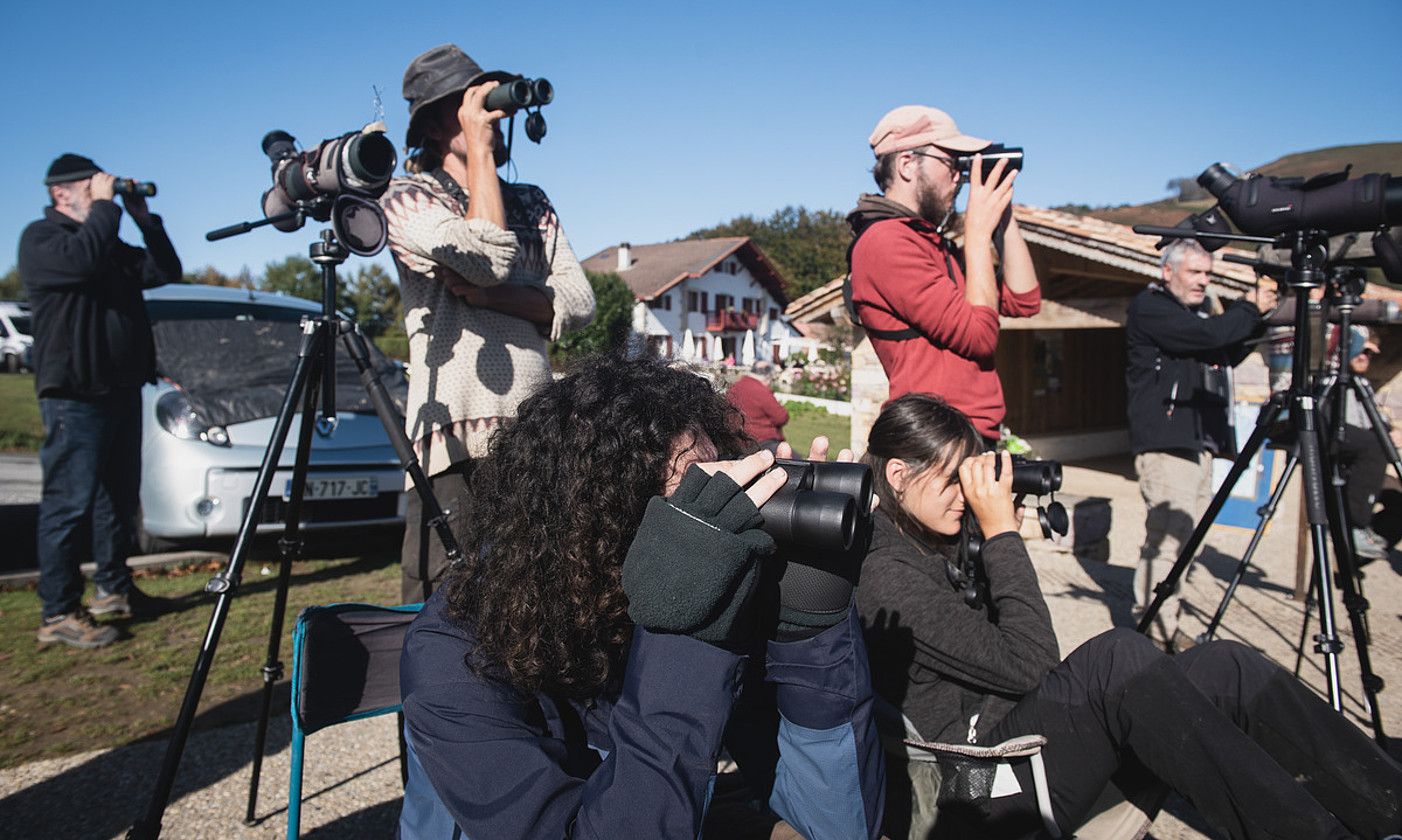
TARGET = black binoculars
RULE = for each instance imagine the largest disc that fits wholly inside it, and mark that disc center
(1031, 478)
(129, 187)
(519, 93)
(991, 155)
(822, 505)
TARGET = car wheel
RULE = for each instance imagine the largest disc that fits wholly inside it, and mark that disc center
(12, 364)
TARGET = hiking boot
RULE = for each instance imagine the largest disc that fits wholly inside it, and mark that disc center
(133, 602)
(1367, 543)
(77, 629)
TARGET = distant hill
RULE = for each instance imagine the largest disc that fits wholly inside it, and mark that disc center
(1368, 157)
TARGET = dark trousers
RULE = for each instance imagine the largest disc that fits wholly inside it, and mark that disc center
(1258, 754)
(1362, 456)
(423, 559)
(91, 460)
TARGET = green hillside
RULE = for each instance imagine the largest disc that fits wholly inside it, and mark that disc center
(1367, 157)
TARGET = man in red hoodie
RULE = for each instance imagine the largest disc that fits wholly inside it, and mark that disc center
(931, 308)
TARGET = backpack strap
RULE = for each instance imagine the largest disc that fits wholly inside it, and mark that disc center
(885, 335)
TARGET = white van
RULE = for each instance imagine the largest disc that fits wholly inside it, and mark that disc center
(16, 336)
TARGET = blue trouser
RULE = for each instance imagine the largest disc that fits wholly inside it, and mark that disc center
(91, 460)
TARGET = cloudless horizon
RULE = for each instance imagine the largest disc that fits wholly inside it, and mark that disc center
(672, 118)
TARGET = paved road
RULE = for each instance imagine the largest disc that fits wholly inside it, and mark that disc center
(19, 479)
(20, 488)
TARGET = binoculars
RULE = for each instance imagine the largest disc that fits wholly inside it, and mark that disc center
(132, 188)
(821, 506)
(519, 93)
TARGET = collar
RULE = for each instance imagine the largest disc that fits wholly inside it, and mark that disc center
(51, 214)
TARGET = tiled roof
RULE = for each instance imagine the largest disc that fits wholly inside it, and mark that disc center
(653, 269)
(1100, 241)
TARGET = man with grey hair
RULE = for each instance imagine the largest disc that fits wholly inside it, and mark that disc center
(1178, 375)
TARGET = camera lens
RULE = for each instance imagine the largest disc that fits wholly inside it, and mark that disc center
(370, 158)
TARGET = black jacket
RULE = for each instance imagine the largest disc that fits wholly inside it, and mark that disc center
(1171, 406)
(91, 333)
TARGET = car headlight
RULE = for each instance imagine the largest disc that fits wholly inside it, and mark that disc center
(177, 416)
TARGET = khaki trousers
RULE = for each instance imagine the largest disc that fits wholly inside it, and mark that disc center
(1176, 488)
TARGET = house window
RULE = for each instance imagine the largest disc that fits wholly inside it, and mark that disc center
(664, 303)
(692, 302)
(724, 302)
(705, 297)
(773, 314)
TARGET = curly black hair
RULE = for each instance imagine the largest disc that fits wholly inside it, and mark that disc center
(553, 508)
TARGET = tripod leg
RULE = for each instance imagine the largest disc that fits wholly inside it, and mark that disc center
(393, 422)
(289, 550)
(1266, 512)
(1164, 588)
(223, 585)
(1316, 508)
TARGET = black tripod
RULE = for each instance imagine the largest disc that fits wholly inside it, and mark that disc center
(1324, 502)
(1332, 390)
(316, 365)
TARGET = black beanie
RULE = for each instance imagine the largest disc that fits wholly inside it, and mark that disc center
(70, 167)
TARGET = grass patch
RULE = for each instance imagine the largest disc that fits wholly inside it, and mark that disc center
(807, 421)
(20, 426)
(56, 700)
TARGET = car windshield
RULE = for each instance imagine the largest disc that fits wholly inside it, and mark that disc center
(233, 359)
(21, 323)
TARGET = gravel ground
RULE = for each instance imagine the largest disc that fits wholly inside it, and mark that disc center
(352, 786)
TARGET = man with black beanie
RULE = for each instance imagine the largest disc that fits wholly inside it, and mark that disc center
(92, 352)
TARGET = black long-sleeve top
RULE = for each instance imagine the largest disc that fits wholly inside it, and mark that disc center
(935, 657)
(1168, 345)
(91, 333)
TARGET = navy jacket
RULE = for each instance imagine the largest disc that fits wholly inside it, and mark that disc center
(496, 764)
(1169, 346)
(91, 333)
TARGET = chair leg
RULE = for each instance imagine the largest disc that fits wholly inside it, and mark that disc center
(1039, 781)
(294, 784)
(403, 750)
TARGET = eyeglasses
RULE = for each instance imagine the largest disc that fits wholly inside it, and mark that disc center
(941, 158)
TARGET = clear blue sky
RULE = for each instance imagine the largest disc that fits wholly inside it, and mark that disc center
(670, 117)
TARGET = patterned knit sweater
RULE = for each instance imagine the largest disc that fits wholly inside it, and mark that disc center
(471, 367)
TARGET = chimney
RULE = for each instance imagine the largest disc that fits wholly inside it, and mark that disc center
(625, 256)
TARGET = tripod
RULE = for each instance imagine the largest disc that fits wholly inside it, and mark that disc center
(1332, 390)
(1324, 503)
(313, 375)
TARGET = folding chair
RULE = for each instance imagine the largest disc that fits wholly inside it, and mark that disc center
(345, 666)
(942, 774)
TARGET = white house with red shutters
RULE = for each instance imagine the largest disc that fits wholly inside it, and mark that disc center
(704, 299)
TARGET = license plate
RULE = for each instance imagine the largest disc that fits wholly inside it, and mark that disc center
(340, 487)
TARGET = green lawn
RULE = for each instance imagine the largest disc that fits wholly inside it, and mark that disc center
(56, 700)
(807, 421)
(20, 427)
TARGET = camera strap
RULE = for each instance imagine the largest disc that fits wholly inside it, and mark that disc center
(452, 187)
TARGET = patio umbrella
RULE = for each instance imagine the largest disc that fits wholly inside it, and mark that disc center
(747, 350)
(688, 348)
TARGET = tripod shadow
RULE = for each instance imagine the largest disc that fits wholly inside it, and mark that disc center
(1223, 566)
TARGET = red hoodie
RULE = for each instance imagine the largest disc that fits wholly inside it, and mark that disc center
(900, 280)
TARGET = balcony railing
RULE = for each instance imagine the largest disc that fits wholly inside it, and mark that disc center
(730, 320)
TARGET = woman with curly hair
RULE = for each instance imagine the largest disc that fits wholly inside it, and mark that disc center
(576, 675)
(1258, 753)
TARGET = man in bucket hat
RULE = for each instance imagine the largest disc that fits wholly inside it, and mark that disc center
(486, 276)
(930, 308)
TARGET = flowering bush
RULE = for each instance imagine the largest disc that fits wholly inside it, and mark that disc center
(819, 379)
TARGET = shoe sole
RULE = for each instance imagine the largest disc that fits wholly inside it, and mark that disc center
(116, 612)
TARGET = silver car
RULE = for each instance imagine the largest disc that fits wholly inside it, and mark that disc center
(224, 357)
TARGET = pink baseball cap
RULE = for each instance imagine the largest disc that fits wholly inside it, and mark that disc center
(913, 126)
